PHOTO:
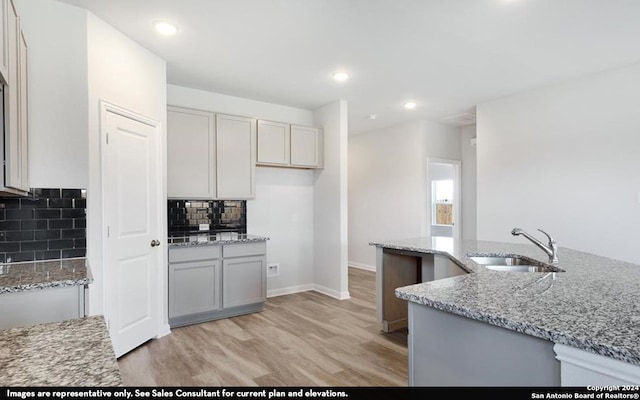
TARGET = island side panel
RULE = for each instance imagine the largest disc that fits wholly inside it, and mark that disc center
(393, 271)
(450, 350)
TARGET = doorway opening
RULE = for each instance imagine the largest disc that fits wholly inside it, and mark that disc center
(444, 203)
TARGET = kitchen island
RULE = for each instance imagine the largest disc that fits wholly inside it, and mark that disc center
(488, 327)
(76, 352)
(36, 292)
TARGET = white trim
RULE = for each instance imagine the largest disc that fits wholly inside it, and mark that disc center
(575, 362)
(365, 267)
(289, 290)
(332, 293)
(106, 107)
(164, 330)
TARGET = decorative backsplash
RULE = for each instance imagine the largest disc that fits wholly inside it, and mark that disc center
(220, 215)
(48, 224)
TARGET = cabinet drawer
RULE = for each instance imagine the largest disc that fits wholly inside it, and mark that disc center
(193, 253)
(244, 249)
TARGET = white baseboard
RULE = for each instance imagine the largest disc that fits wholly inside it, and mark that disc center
(163, 330)
(365, 267)
(289, 290)
(332, 293)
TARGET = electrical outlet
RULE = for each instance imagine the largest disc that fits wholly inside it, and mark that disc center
(273, 269)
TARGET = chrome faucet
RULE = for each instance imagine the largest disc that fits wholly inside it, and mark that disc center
(551, 249)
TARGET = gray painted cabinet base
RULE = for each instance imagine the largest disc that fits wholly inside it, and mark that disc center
(450, 350)
(204, 287)
(33, 307)
(190, 319)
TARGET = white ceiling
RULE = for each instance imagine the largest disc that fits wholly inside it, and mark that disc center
(448, 55)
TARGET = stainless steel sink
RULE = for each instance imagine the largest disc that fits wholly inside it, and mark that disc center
(513, 263)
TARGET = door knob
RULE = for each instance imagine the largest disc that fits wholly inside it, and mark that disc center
(155, 243)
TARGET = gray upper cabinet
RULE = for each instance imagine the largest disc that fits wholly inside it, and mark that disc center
(285, 145)
(306, 146)
(4, 55)
(236, 157)
(191, 155)
(15, 179)
(273, 143)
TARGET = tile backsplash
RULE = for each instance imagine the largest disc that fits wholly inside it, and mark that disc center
(220, 215)
(48, 224)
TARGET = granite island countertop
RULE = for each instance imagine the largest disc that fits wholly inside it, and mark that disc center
(594, 305)
(76, 352)
(34, 275)
(213, 239)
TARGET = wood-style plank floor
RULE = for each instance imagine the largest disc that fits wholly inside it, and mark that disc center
(302, 339)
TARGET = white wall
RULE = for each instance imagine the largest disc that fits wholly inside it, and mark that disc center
(121, 72)
(199, 99)
(56, 34)
(565, 159)
(386, 188)
(330, 222)
(388, 183)
(283, 207)
(469, 194)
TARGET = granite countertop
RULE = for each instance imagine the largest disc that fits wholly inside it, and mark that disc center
(208, 239)
(593, 305)
(33, 275)
(77, 352)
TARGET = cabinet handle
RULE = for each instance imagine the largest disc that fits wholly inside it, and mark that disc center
(155, 243)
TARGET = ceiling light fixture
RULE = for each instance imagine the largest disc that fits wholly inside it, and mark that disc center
(340, 76)
(165, 28)
(410, 105)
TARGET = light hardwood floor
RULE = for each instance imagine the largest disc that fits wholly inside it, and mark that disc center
(302, 339)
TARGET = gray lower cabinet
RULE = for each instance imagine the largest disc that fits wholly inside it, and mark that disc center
(243, 281)
(212, 282)
(195, 287)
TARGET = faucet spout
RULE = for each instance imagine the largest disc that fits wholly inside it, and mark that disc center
(551, 249)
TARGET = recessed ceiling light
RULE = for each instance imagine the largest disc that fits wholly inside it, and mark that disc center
(372, 116)
(410, 105)
(340, 76)
(165, 28)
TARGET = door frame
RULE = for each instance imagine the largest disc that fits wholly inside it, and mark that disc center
(162, 328)
(457, 192)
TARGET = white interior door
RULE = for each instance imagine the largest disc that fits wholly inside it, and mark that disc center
(132, 219)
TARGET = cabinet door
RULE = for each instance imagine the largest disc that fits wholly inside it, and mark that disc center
(23, 112)
(244, 281)
(3, 41)
(306, 146)
(236, 157)
(194, 287)
(191, 166)
(12, 143)
(273, 143)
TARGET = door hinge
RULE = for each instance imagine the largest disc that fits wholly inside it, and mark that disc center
(107, 137)
(108, 231)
